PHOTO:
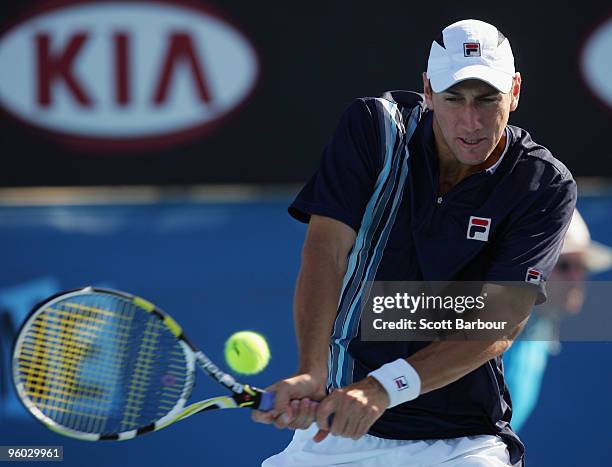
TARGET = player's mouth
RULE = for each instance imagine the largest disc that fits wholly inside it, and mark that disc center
(471, 142)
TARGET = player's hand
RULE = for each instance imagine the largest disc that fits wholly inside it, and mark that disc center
(355, 408)
(295, 402)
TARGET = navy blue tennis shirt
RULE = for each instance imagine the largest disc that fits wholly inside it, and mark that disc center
(379, 175)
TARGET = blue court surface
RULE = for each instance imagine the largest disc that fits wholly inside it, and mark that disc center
(219, 267)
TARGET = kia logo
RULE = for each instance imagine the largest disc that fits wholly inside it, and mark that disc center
(597, 62)
(125, 75)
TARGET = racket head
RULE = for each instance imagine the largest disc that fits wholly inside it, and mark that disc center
(99, 364)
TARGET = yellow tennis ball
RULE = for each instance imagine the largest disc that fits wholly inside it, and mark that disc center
(247, 352)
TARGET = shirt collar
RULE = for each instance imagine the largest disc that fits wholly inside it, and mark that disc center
(493, 168)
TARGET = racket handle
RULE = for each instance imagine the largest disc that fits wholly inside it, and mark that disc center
(267, 403)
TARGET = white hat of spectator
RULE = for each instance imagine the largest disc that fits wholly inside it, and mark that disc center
(598, 257)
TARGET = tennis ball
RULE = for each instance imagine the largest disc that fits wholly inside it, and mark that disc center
(247, 352)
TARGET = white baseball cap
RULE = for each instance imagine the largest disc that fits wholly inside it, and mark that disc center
(471, 49)
(597, 256)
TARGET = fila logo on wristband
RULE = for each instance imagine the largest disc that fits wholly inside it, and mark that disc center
(401, 383)
(400, 380)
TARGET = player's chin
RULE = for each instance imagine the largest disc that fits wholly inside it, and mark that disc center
(474, 154)
(471, 157)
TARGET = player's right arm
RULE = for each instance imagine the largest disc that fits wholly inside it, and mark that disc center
(324, 262)
(333, 202)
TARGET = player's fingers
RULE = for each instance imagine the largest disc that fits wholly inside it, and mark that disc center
(371, 414)
(324, 410)
(305, 414)
(352, 424)
(320, 436)
(333, 404)
(262, 417)
(295, 414)
(325, 413)
(282, 397)
(339, 423)
(293, 423)
(362, 427)
(283, 419)
(312, 413)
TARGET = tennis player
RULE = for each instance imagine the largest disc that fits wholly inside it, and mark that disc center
(432, 187)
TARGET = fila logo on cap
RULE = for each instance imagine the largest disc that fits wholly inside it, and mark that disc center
(478, 228)
(533, 276)
(471, 49)
(401, 383)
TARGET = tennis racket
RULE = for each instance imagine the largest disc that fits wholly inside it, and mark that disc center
(97, 364)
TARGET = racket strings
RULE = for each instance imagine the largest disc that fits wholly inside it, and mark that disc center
(141, 377)
(100, 364)
(67, 367)
(173, 382)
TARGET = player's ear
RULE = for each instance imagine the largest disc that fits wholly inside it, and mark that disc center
(427, 91)
(515, 92)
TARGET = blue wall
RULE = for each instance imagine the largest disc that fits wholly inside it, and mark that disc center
(223, 267)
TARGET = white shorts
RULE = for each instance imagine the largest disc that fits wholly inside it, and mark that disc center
(370, 451)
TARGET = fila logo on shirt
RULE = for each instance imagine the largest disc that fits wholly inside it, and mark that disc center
(478, 228)
(471, 49)
(533, 276)
(401, 383)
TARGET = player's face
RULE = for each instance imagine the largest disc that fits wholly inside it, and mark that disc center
(470, 118)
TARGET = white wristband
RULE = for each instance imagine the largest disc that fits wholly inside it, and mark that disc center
(400, 380)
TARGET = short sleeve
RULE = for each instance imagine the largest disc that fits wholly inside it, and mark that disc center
(345, 179)
(528, 249)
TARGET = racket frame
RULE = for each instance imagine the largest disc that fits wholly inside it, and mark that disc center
(242, 395)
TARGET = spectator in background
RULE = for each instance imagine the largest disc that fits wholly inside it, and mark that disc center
(525, 361)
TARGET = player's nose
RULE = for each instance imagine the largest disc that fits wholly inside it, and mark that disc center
(471, 120)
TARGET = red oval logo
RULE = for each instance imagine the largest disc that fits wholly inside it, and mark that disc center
(125, 75)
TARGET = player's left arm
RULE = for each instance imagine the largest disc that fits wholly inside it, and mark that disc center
(356, 407)
(441, 363)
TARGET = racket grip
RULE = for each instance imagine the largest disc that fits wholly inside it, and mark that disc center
(267, 403)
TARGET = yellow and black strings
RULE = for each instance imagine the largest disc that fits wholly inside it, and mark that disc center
(70, 358)
(142, 375)
(158, 376)
(100, 363)
(172, 382)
